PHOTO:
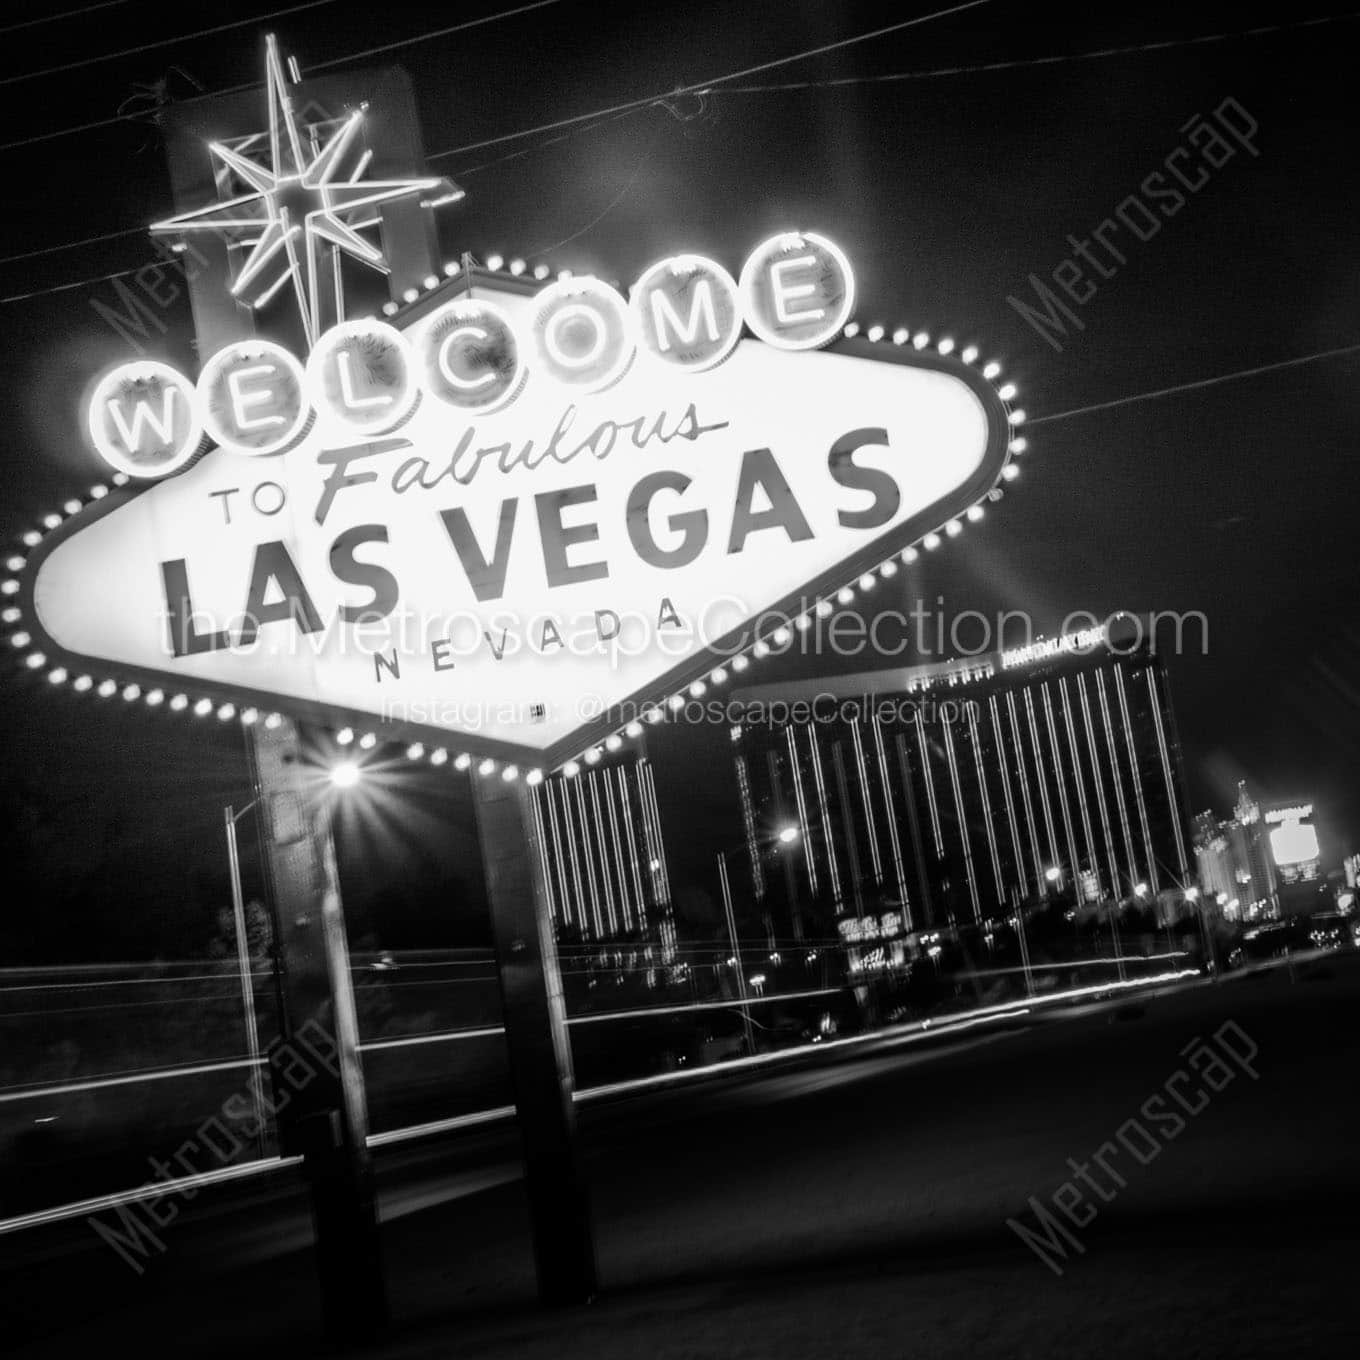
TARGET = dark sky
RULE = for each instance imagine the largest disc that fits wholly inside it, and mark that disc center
(946, 191)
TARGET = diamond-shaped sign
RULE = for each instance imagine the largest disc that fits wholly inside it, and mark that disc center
(524, 583)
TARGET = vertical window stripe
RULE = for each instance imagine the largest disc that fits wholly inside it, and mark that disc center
(1101, 804)
(969, 870)
(894, 837)
(1136, 773)
(1064, 803)
(1016, 844)
(1091, 858)
(870, 827)
(1024, 790)
(1172, 802)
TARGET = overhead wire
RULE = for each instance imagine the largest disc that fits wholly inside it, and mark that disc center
(1197, 385)
(426, 37)
(702, 85)
(602, 116)
(71, 245)
(161, 42)
(68, 287)
(936, 73)
(39, 137)
(1056, 59)
(65, 14)
(140, 230)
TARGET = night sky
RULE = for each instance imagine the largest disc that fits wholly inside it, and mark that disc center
(946, 191)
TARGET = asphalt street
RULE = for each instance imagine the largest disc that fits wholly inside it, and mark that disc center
(856, 1205)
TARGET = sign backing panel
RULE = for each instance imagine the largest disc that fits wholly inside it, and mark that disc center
(522, 583)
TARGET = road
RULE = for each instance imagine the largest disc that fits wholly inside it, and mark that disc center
(855, 1206)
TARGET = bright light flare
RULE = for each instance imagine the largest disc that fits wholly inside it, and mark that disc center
(346, 774)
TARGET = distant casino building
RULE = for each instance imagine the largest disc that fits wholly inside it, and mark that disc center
(603, 855)
(1261, 861)
(945, 795)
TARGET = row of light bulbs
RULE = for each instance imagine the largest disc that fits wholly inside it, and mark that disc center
(452, 268)
(845, 595)
(439, 755)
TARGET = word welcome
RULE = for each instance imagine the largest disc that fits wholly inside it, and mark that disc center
(363, 378)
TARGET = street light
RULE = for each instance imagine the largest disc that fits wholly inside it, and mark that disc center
(1052, 873)
(346, 774)
(786, 835)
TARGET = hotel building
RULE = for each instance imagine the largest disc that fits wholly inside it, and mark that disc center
(944, 796)
(603, 855)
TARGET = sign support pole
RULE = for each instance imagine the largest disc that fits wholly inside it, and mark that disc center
(739, 964)
(319, 1095)
(245, 971)
(536, 1036)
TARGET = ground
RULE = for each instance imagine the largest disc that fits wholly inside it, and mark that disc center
(855, 1207)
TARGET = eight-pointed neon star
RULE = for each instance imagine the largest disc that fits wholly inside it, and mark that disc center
(298, 205)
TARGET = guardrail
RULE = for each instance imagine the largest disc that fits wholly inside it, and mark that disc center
(910, 1031)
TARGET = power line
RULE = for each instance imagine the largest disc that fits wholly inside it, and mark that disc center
(71, 245)
(938, 72)
(52, 136)
(699, 85)
(426, 37)
(1020, 62)
(113, 119)
(137, 117)
(1198, 385)
(65, 14)
(463, 173)
(67, 287)
(163, 42)
(599, 117)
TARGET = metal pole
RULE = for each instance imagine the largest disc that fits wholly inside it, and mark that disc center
(541, 1070)
(317, 1075)
(238, 912)
(1024, 943)
(736, 952)
(1114, 933)
(1206, 934)
(1170, 934)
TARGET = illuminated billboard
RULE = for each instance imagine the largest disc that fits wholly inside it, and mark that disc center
(1294, 842)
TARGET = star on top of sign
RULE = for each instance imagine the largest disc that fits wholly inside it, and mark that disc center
(299, 204)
